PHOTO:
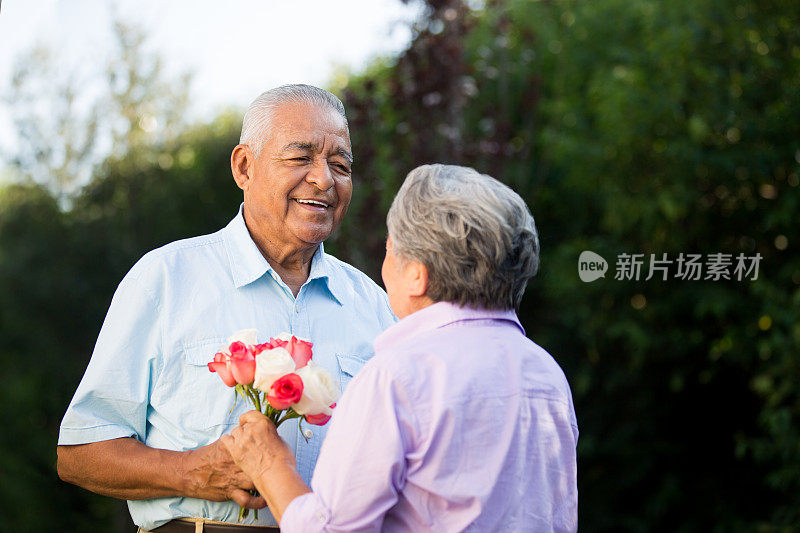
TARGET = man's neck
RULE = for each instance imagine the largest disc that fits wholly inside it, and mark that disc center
(291, 263)
(293, 273)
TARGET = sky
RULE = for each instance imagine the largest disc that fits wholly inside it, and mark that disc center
(235, 48)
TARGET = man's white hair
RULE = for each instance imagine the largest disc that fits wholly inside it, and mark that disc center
(258, 117)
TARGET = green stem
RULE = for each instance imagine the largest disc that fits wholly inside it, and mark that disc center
(253, 396)
(300, 428)
(288, 414)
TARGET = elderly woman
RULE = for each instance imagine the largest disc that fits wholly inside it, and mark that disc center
(459, 422)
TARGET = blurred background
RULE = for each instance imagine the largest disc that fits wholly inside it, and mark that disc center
(629, 126)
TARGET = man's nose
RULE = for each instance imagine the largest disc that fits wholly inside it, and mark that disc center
(320, 175)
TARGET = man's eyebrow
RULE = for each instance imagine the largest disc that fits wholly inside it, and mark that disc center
(306, 147)
(311, 147)
(347, 155)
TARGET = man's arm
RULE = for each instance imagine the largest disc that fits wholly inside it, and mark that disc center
(127, 469)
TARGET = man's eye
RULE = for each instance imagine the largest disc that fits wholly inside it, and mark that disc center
(342, 168)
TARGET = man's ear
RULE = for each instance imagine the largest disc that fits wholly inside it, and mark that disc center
(242, 160)
(417, 279)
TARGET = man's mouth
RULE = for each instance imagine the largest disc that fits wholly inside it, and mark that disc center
(313, 203)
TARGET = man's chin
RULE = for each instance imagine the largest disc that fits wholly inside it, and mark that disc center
(313, 237)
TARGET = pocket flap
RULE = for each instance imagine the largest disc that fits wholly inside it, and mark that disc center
(201, 353)
(350, 364)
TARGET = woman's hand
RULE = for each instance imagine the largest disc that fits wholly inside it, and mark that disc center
(261, 454)
(256, 447)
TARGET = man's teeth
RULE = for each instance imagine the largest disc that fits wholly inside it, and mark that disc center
(312, 202)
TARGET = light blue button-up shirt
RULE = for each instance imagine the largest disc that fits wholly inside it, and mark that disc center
(148, 377)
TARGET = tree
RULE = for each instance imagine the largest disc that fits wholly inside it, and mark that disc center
(56, 124)
(638, 127)
(67, 124)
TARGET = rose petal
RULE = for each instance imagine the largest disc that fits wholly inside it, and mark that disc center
(320, 390)
(300, 351)
(320, 419)
(258, 348)
(270, 365)
(285, 391)
(224, 372)
(242, 363)
(237, 349)
(278, 343)
(243, 369)
(245, 336)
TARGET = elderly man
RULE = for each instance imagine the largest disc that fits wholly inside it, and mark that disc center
(459, 422)
(145, 421)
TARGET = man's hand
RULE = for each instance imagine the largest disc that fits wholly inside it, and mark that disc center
(211, 474)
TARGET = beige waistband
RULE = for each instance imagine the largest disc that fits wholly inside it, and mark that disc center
(198, 524)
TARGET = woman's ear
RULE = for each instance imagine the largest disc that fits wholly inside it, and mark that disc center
(242, 160)
(417, 279)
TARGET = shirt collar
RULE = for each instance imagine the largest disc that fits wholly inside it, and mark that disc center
(439, 315)
(248, 264)
(322, 268)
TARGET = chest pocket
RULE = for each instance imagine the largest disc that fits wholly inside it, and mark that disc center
(349, 365)
(198, 399)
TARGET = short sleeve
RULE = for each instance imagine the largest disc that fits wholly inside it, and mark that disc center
(112, 398)
(385, 314)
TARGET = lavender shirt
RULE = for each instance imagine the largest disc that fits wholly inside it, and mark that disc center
(458, 423)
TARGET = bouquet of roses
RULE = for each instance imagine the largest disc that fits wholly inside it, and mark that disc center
(278, 377)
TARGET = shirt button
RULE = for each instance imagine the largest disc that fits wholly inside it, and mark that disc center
(296, 308)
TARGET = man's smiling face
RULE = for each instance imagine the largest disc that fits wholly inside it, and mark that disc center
(300, 184)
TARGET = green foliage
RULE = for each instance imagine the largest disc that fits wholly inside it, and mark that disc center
(632, 127)
(58, 271)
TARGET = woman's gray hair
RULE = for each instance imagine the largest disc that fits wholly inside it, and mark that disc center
(475, 235)
(258, 117)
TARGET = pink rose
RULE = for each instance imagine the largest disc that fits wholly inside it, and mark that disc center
(299, 349)
(220, 366)
(285, 391)
(242, 363)
(320, 419)
(258, 348)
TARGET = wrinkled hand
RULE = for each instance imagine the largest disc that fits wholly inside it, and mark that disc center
(256, 446)
(211, 474)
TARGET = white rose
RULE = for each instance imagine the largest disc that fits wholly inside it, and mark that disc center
(320, 390)
(246, 336)
(284, 337)
(271, 365)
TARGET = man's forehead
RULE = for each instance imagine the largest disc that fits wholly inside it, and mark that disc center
(301, 115)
